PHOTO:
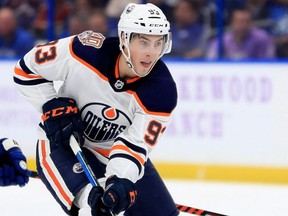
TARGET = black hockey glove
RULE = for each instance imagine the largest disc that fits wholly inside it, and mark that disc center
(13, 167)
(61, 118)
(96, 204)
(119, 195)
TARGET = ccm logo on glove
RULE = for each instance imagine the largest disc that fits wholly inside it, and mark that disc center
(59, 111)
(61, 119)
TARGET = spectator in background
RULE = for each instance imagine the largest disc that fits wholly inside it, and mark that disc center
(258, 8)
(243, 41)
(80, 15)
(62, 11)
(114, 9)
(95, 20)
(281, 37)
(260, 14)
(14, 41)
(98, 22)
(230, 6)
(25, 12)
(77, 23)
(187, 31)
(83, 7)
(164, 6)
(279, 13)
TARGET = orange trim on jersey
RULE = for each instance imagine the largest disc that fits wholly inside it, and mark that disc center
(126, 149)
(52, 175)
(133, 79)
(117, 67)
(130, 92)
(146, 110)
(103, 152)
(117, 75)
(85, 63)
(22, 73)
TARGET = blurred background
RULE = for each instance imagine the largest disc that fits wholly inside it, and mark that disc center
(230, 63)
(202, 29)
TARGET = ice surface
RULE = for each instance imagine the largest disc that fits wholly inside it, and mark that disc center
(227, 198)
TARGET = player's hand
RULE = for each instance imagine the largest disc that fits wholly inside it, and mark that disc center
(96, 204)
(61, 118)
(119, 194)
(13, 166)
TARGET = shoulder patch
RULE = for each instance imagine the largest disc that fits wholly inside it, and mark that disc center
(90, 38)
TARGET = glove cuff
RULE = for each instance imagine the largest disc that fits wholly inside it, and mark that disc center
(9, 144)
(2, 150)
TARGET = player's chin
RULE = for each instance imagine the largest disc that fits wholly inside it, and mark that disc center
(143, 72)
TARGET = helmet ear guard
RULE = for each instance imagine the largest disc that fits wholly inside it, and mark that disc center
(168, 43)
(143, 19)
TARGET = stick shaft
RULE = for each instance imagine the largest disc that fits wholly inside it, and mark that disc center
(79, 154)
(82, 160)
(32, 174)
(195, 211)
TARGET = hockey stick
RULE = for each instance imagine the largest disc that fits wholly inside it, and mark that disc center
(32, 174)
(78, 153)
(93, 180)
(74, 144)
(182, 208)
(82, 160)
(195, 211)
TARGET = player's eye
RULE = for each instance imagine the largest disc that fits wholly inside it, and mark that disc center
(158, 43)
(144, 42)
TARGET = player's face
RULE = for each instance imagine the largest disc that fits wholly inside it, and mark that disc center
(145, 50)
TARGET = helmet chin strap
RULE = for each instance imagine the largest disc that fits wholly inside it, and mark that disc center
(129, 62)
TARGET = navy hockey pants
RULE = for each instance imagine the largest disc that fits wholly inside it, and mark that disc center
(60, 171)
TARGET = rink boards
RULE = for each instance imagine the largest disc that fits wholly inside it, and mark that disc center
(230, 124)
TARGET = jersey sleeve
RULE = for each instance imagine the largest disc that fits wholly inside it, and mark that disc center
(132, 148)
(35, 72)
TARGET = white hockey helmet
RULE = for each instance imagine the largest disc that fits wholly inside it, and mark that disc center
(143, 19)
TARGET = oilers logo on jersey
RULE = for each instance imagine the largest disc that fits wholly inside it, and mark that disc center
(77, 168)
(102, 122)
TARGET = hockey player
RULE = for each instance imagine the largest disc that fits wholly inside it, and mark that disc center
(119, 97)
(13, 167)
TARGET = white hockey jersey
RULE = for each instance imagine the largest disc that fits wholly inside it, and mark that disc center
(123, 118)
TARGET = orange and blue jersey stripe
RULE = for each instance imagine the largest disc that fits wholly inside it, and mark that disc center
(125, 149)
(24, 76)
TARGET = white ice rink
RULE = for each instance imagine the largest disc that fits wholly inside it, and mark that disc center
(226, 198)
